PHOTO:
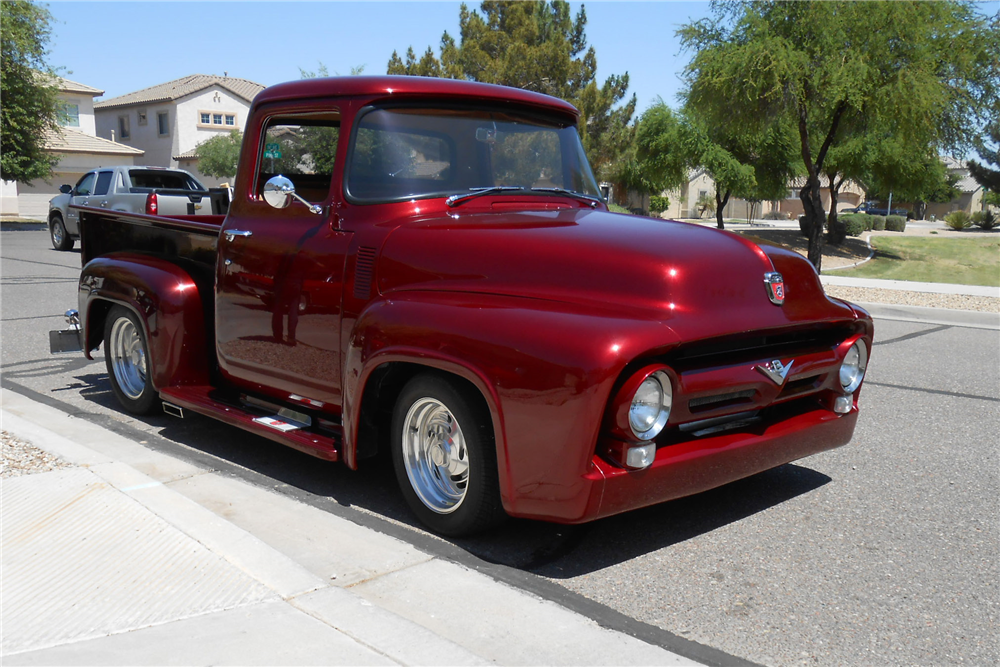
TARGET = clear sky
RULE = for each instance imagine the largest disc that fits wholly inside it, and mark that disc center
(121, 47)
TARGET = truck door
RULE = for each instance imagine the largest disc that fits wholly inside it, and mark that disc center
(279, 287)
(79, 196)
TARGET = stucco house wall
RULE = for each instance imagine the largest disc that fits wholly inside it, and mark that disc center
(196, 108)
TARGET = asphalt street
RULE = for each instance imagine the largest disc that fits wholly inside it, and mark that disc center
(885, 551)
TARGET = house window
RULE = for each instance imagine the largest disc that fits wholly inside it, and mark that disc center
(142, 116)
(123, 127)
(163, 123)
(217, 120)
(69, 116)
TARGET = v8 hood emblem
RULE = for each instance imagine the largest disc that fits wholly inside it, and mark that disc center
(776, 371)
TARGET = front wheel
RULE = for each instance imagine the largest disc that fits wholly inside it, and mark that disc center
(445, 458)
(127, 357)
(61, 240)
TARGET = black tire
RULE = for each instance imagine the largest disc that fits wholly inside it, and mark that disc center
(61, 240)
(429, 400)
(126, 356)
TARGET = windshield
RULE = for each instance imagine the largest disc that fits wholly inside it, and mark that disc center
(410, 153)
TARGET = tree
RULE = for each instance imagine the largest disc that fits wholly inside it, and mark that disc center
(537, 45)
(749, 166)
(220, 155)
(984, 175)
(928, 70)
(30, 109)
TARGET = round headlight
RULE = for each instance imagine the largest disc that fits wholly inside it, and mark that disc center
(650, 406)
(852, 370)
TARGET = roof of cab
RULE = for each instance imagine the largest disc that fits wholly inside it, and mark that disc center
(422, 86)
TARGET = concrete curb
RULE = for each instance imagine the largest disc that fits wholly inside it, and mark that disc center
(958, 318)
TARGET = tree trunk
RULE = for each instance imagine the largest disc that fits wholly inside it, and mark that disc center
(720, 205)
(835, 233)
(812, 202)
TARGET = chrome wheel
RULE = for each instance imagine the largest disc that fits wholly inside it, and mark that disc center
(58, 233)
(435, 455)
(128, 357)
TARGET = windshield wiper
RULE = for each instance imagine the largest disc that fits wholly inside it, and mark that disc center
(570, 193)
(455, 200)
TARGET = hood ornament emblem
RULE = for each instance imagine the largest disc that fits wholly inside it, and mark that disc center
(776, 371)
(775, 285)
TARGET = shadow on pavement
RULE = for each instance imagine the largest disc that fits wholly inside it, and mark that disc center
(550, 550)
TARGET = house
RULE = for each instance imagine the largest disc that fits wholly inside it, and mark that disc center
(684, 200)
(970, 192)
(169, 120)
(79, 150)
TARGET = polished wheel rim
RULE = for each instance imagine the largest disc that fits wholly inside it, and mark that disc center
(128, 358)
(436, 456)
(57, 233)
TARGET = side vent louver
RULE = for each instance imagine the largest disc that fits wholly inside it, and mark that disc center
(363, 272)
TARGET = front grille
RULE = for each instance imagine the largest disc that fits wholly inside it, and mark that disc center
(719, 400)
(706, 354)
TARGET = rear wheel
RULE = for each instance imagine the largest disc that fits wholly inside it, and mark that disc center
(61, 240)
(445, 458)
(127, 357)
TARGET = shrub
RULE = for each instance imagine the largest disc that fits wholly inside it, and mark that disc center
(775, 215)
(854, 223)
(895, 223)
(877, 222)
(985, 220)
(658, 204)
(615, 208)
(836, 232)
(958, 220)
(804, 227)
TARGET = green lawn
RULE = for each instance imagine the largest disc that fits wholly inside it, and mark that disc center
(973, 261)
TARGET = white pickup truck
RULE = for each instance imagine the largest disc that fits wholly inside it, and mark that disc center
(151, 190)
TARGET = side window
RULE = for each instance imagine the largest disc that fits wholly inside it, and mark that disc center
(103, 182)
(303, 149)
(85, 185)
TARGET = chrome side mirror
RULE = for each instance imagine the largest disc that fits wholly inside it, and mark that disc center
(279, 192)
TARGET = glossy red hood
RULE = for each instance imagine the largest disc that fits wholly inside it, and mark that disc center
(699, 281)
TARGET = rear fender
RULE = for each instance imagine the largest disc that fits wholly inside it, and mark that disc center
(168, 304)
(545, 370)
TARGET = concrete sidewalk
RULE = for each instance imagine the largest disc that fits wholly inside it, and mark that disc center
(130, 556)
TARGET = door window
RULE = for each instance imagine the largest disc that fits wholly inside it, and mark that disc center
(103, 182)
(303, 149)
(85, 185)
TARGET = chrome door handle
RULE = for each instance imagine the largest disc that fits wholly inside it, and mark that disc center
(104, 203)
(233, 233)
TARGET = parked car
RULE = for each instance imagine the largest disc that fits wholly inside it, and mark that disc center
(874, 208)
(427, 267)
(153, 190)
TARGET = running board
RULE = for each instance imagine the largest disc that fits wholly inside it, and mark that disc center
(205, 400)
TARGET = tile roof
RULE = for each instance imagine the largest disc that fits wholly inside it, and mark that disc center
(67, 86)
(74, 141)
(187, 155)
(178, 88)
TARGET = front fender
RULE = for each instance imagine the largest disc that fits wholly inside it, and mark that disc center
(167, 302)
(545, 369)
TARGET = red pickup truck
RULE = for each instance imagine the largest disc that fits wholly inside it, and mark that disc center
(427, 266)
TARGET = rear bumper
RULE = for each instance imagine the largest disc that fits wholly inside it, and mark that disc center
(699, 464)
